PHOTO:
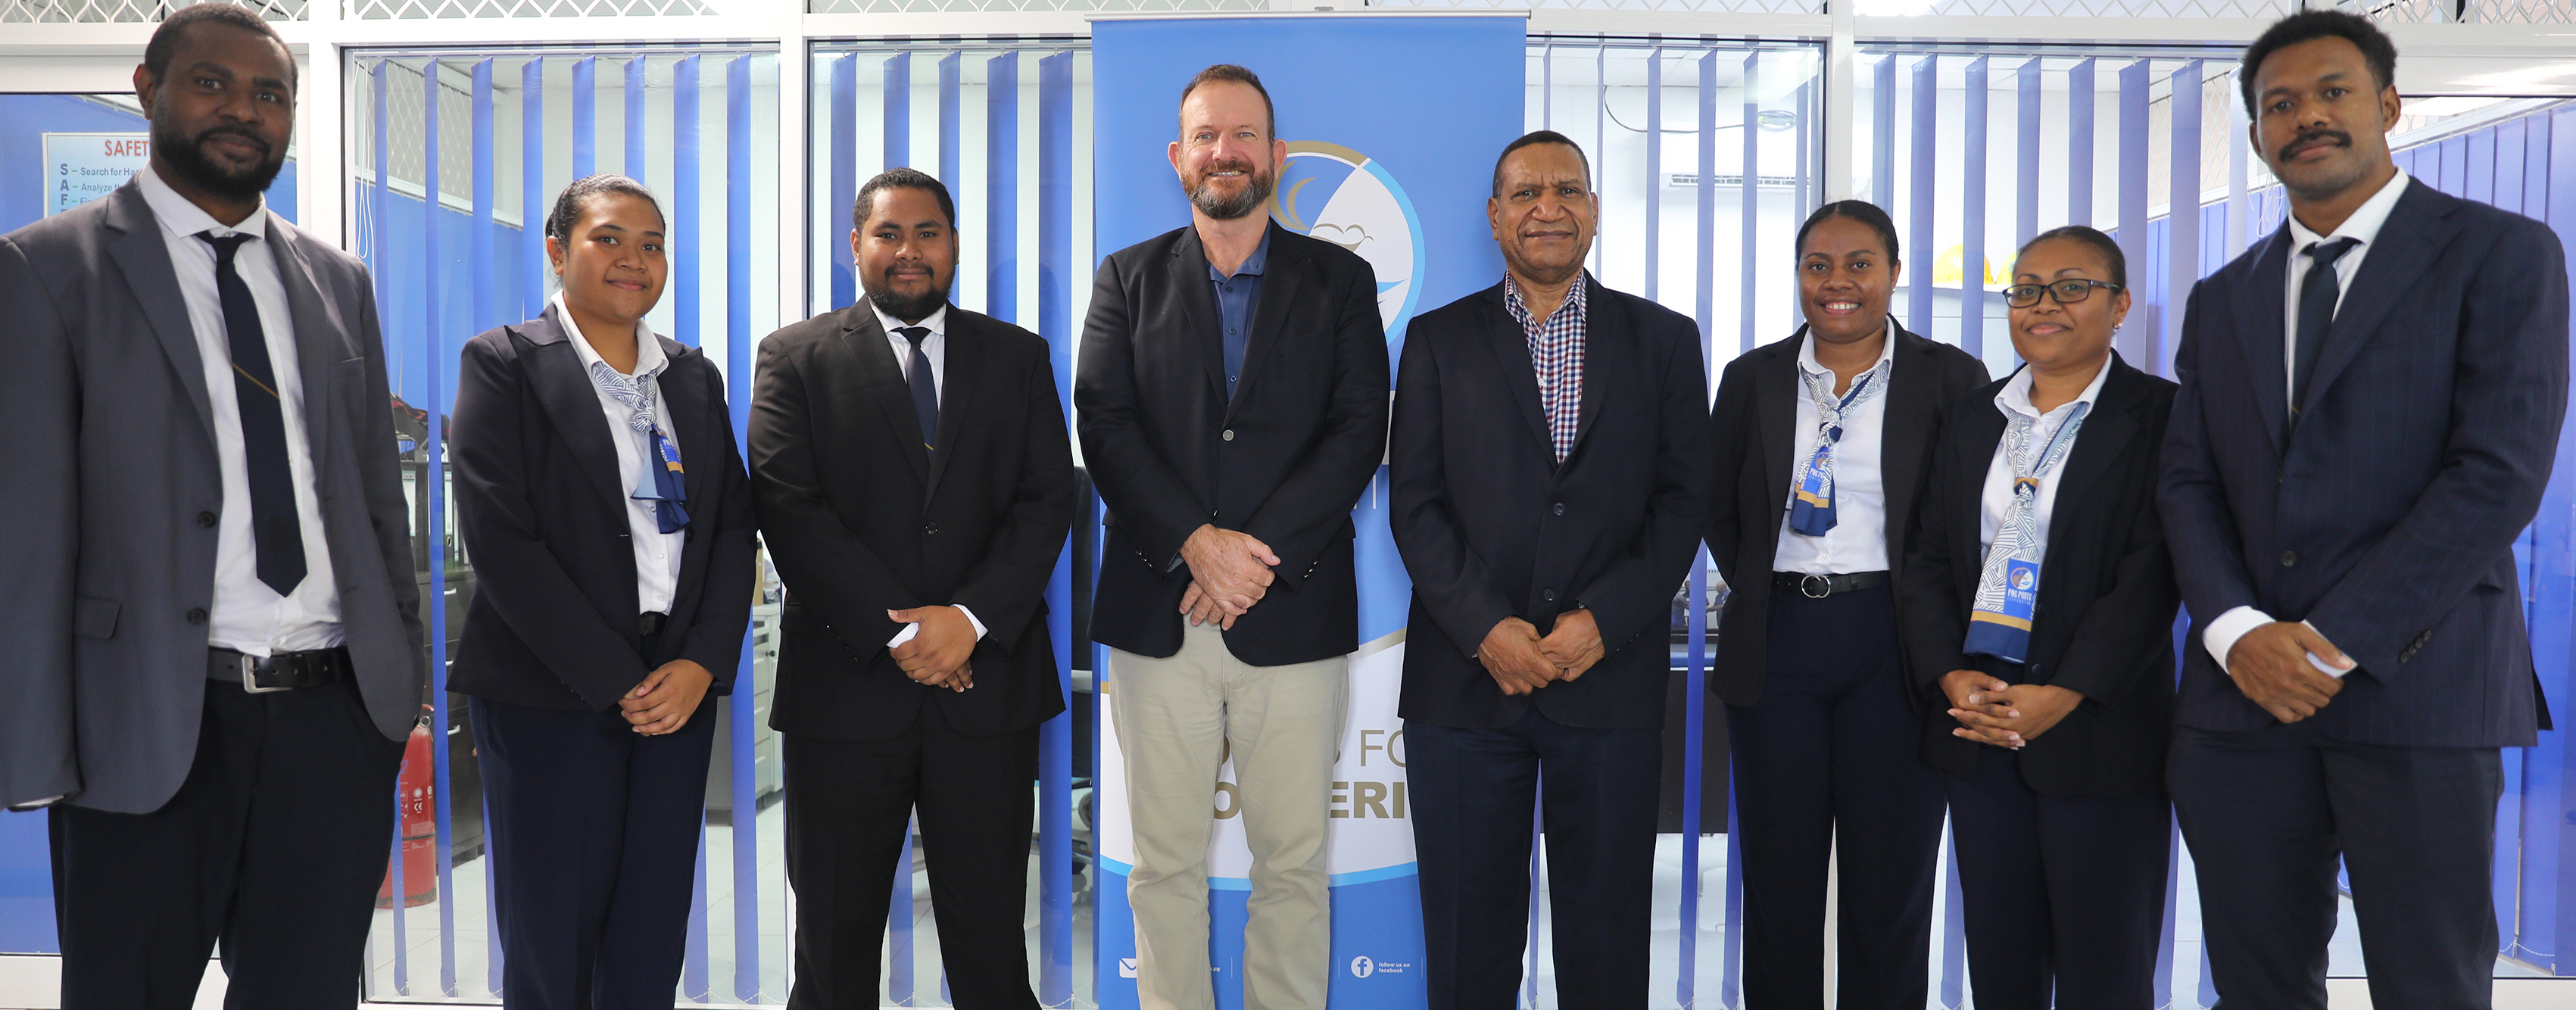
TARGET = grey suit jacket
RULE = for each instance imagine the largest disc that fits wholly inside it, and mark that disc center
(110, 474)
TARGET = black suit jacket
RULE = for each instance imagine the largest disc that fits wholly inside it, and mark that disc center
(2386, 518)
(861, 519)
(1756, 431)
(1492, 526)
(1283, 460)
(542, 511)
(2104, 621)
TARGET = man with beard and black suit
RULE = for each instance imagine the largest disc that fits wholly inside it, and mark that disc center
(213, 627)
(915, 483)
(1233, 400)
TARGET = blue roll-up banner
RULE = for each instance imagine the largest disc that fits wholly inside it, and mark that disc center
(1392, 124)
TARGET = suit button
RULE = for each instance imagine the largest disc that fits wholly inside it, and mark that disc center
(1560, 508)
(1227, 434)
(2289, 559)
(206, 519)
(196, 615)
(932, 528)
(1547, 594)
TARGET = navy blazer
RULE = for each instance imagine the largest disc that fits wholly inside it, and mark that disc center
(2103, 624)
(1754, 437)
(2386, 518)
(542, 512)
(1492, 526)
(1283, 459)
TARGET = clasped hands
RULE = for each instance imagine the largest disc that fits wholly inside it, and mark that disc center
(1991, 711)
(2270, 664)
(1521, 661)
(940, 654)
(664, 700)
(1229, 572)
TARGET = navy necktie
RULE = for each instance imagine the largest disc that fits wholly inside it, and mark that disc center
(925, 387)
(277, 535)
(2316, 314)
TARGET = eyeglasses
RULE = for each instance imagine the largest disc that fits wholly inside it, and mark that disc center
(2066, 292)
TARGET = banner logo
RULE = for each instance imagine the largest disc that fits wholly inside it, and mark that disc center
(1341, 196)
(1362, 967)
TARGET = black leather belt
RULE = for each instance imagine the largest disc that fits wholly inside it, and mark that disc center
(283, 671)
(1817, 587)
(649, 624)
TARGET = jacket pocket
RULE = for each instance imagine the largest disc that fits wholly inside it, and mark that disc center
(94, 618)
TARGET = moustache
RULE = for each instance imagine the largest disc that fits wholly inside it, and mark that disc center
(232, 131)
(2339, 137)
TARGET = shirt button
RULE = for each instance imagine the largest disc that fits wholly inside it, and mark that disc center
(1227, 434)
(1560, 508)
(206, 519)
(2289, 558)
(196, 615)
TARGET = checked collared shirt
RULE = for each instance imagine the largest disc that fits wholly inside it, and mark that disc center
(1556, 354)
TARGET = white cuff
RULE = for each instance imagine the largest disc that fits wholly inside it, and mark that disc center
(2221, 635)
(910, 630)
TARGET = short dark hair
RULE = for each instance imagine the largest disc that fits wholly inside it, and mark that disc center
(165, 39)
(2101, 243)
(2307, 26)
(901, 178)
(567, 211)
(1541, 137)
(1862, 211)
(1239, 75)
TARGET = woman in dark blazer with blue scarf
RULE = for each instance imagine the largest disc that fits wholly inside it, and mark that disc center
(605, 508)
(2038, 601)
(1820, 440)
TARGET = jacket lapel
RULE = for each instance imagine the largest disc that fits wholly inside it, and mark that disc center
(1775, 412)
(572, 401)
(1606, 318)
(2417, 228)
(1280, 279)
(1978, 430)
(316, 343)
(1913, 403)
(866, 340)
(2262, 310)
(685, 401)
(1510, 345)
(959, 376)
(145, 260)
(1202, 331)
(2107, 430)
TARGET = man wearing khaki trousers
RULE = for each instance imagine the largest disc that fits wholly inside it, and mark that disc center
(1232, 407)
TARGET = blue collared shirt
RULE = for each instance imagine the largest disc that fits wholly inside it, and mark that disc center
(1235, 298)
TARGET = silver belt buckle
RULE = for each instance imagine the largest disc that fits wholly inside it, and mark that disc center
(1816, 587)
(250, 677)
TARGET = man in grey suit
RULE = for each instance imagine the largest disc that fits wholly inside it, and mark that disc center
(210, 613)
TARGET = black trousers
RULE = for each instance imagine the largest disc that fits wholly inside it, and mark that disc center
(849, 805)
(1472, 791)
(2063, 895)
(1832, 755)
(272, 850)
(594, 834)
(2266, 812)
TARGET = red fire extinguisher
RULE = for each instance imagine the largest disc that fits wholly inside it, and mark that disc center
(417, 803)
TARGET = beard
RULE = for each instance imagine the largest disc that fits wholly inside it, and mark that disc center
(186, 155)
(1257, 185)
(909, 308)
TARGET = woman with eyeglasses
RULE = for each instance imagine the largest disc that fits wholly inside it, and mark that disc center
(610, 525)
(2038, 603)
(1820, 442)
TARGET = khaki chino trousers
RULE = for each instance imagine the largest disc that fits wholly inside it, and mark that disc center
(1178, 719)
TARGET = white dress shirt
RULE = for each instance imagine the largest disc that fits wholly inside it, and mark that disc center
(935, 348)
(657, 554)
(1858, 541)
(1997, 503)
(245, 614)
(2221, 634)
